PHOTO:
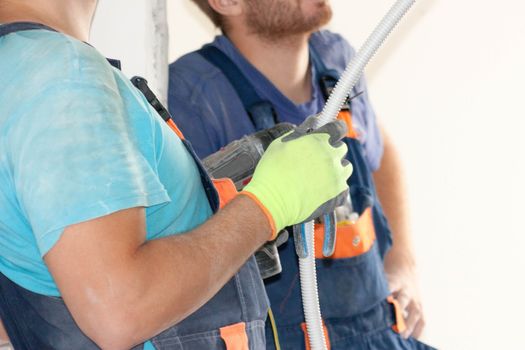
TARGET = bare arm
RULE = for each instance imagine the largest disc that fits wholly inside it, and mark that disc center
(390, 187)
(144, 287)
(400, 264)
(4, 338)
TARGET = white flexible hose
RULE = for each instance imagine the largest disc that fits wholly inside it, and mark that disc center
(352, 73)
(309, 292)
(357, 64)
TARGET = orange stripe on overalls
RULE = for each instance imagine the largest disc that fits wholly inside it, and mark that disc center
(235, 337)
(307, 338)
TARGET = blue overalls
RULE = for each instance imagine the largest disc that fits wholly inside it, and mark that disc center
(356, 306)
(233, 319)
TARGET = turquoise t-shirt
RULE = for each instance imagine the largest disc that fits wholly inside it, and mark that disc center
(77, 142)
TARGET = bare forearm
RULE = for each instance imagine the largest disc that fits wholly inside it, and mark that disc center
(391, 190)
(3, 334)
(194, 266)
(400, 265)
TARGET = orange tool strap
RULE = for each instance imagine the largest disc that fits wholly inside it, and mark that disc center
(400, 325)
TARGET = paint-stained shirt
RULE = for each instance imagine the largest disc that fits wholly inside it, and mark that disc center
(77, 142)
(209, 112)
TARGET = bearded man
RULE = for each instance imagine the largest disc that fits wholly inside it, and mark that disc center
(272, 64)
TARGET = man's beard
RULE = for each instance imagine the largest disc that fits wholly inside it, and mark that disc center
(275, 20)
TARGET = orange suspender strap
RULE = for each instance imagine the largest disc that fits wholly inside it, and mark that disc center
(175, 128)
(225, 186)
(346, 116)
(400, 325)
(353, 238)
(307, 339)
(235, 336)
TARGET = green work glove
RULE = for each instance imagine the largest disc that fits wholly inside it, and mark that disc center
(302, 175)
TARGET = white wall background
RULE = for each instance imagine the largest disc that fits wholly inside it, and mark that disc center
(449, 88)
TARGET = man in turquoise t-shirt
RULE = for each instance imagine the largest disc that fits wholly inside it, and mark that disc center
(103, 206)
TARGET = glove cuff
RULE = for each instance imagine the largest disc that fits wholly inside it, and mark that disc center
(266, 212)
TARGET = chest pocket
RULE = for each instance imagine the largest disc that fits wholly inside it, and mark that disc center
(356, 233)
(353, 237)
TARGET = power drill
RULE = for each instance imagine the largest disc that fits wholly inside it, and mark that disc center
(237, 161)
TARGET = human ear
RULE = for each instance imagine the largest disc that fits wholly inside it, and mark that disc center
(227, 7)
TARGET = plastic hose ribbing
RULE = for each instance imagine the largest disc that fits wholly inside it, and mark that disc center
(352, 73)
(309, 293)
(355, 67)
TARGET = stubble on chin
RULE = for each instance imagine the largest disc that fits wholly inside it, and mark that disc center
(277, 20)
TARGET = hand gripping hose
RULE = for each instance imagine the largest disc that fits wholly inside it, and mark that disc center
(346, 83)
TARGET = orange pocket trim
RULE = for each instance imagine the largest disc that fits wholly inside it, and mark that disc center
(226, 189)
(346, 116)
(352, 239)
(400, 325)
(235, 336)
(175, 128)
(307, 339)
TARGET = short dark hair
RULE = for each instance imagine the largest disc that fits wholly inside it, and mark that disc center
(213, 15)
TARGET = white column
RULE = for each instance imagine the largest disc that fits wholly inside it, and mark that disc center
(157, 48)
(136, 32)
